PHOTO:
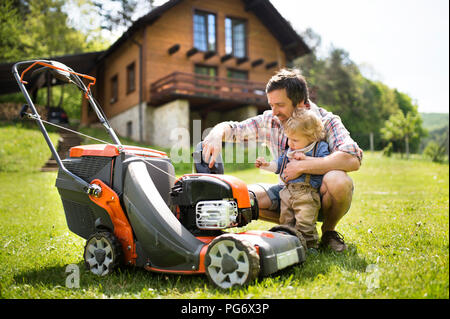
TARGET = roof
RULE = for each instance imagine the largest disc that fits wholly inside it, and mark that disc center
(81, 63)
(145, 20)
(292, 44)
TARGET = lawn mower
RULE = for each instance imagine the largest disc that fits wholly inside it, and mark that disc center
(132, 210)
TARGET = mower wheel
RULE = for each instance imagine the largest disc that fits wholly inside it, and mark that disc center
(283, 229)
(230, 261)
(102, 253)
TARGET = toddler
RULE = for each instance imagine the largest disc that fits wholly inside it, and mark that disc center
(300, 198)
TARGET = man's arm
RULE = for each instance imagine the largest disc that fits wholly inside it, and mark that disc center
(338, 137)
(212, 145)
(320, 165)
(250, 129)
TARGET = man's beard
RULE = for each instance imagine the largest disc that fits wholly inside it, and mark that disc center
(282, 120)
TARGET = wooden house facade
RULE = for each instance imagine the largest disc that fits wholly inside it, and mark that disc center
(188, 60)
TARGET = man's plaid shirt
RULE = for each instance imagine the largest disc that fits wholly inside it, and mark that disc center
(267, 128)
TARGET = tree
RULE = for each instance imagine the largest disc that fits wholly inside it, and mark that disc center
(392, 130)
(404, 102)
(337, 84)
(117, 14)
(401, 127)
(11, 28)
(38, 29)
(411, 128)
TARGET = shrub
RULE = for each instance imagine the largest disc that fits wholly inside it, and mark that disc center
(387, 151)
(435, 151)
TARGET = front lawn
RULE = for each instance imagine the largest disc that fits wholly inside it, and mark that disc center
(396, 230)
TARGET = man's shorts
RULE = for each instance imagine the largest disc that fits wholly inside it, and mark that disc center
(273, 191)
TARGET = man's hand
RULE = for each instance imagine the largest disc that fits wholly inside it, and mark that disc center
(321, 165)
(212, 144)
(292, 170)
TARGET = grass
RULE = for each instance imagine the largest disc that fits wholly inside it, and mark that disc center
(22, 147)
(396, 229)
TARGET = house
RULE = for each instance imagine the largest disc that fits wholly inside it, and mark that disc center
(188, 61)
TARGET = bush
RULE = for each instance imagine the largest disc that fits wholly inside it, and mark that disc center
(387, 151)
(435, 151)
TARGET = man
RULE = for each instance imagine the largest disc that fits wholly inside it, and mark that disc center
(286, 91)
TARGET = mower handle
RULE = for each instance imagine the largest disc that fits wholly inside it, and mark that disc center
(48, 65)
(83, 184)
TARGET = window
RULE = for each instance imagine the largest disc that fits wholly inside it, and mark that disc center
(206, 70)
(209, 71)
(131, 75)
(235, 37)
(129, 129)
(237, 74)
(204, 31)
(114, 89)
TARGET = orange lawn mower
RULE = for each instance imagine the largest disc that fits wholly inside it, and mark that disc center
(132, 210)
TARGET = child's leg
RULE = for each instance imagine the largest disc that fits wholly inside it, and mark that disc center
(287, 216)
(306, 205)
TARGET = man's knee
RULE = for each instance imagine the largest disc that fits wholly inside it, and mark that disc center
(265, 204)
(263, 199)
(337, 193)
(337, 184)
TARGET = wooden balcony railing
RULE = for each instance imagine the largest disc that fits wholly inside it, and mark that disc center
(196, 86)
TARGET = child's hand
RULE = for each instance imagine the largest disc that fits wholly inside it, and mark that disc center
(299, 156)
(261, 162)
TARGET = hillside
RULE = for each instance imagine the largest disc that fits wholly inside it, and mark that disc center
(434, 121)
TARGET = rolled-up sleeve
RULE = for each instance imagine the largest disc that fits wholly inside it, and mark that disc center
(338, 137)
(255, 128)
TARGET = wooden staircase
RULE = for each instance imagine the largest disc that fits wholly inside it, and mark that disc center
(66, 141)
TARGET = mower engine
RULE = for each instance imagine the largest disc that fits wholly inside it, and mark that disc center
(210, 202)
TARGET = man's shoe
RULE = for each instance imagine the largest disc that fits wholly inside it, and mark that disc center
(334, 240)
(312, 251)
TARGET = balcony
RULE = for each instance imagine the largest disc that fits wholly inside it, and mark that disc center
(203, 90)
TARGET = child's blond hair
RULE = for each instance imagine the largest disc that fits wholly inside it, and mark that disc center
(307, 123)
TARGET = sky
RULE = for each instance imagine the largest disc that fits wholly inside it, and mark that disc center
(402, 43)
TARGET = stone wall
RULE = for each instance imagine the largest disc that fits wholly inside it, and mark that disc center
(10, 111)
(215, 117)
(172, 124)
(168, 125)
(127, 123)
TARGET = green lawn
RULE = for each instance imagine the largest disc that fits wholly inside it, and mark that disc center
(23, 148)
(397, 232)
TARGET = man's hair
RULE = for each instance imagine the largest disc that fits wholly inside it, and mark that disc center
(307, 123)
(293, 82)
